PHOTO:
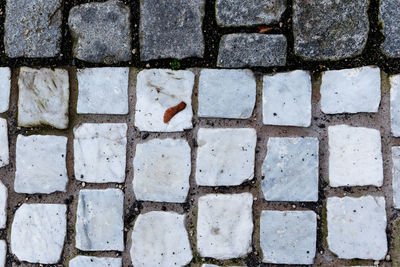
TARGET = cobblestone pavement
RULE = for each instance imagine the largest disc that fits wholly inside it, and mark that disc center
(199, 133)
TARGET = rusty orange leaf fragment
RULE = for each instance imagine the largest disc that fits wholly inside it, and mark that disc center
(171, 112)
(264, 29)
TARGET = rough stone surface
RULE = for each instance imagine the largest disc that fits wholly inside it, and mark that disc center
(33, 28)
(171, 29)
(288, 237)
(395, 105)
(252, 50)
(43, 97)
(226, 94)
(287, 99)
(160, 239)
(225, 157)
(3, 253)
(357, 227)
(103, 91)
(351, 90)
(224, 225)
(390, 18)
(161, 170)
(330, 29)
(158, 90)
(4, 150)
(100, 152)
(248, 13)
(290, 169)
(5, 84)
(3, 206)
(101, 32)
(38, 232)
(85, 261)
(40, 164)
(99, 223)
(396, 176)
(355, 156)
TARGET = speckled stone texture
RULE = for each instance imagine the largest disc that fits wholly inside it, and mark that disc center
(390, 18)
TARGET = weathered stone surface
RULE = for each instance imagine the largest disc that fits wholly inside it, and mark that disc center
(38, 232)
(351, 90)
(395, 105)
(390, 18)
(171, 29)
(99, 223)
(3, 206)
(103, 91)
(225, 157)
(101, 32)
(288, 237)
(161, 170)
(5, 84)
(100, 152)
(4, 150)
(252, 50)
(3, 253)
(287, 99)
(224, 225)
(158, 90)
(396, 176)
(357, 227)
(160, 239)
(330, 29)
(86, 261)
(40, 164)
(355, 156)
(248, 13)
(33, 28)
(226, 94)
(290, 169)
(43, 97)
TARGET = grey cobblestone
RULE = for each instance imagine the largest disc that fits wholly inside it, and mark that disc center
(390, 18)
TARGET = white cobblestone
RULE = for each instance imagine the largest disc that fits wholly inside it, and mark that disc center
(3, 253)
(395, 105)
(86, 261)
(3, 205)
(396, 176)
(4, 150)
(5, 84)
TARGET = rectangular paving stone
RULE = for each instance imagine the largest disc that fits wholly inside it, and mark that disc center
(3, 206)
(4, 150)
(86, 261)
(395, 105)
(171, 29)
(389, 15)
(5, 85)
(3, 253)
(226, 94)
(287, 99)
(240, 50)
(396, 176)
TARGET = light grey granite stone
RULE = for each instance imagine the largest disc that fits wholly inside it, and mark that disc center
(248, 13)
(40, 164)
(103, 91)
(226, 94)
(396, 176)
(5, 85)
(99, 223)
(288, 237)
(38, 232)
(171, 29)
(3, 253)
(4, 150)
(225, 156)
(239, 50)
(290, 169)
(3, 206)
(101, 32)
(43, 97)
(224, 225)
(330, 29)
(33, 28)
(395, 105)
(287, 99)
(389, 15)
(355, 156)
(357, 227)
(351, 90)
(86, 261)
(160, 239)
(100, 152)
(161, 170)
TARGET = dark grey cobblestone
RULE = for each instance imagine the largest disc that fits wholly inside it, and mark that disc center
(390, 16)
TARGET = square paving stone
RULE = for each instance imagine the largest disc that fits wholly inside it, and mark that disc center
(43, 97)
(100, 152)
(225, 157)
(99, 223)
(396, 176)
(288, 237)
(252, 50)
(171, 29)
(226, 94)
(290, 169)
(161, 170)
(224, 225)
(355, 156)
(162, 94)
(33, 28)
(103, 91)
(5, 84)
(86, 261)
(40, 164)
(38, 232)
(248, 13)
(395, 105)
(287, 99)
(4, 150)
(160, 239)
(330, 29)
(3, 206)
(101, 32)
(389, 15)
(357, 227)
(351, 90)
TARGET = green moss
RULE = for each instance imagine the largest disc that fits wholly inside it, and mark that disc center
(175, 64)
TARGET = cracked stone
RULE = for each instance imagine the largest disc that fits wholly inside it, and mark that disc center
(85, 261)
(395, 105)
(3, 206)
(396, 176)
(390, 19)
(4, 150)
(5, 85)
